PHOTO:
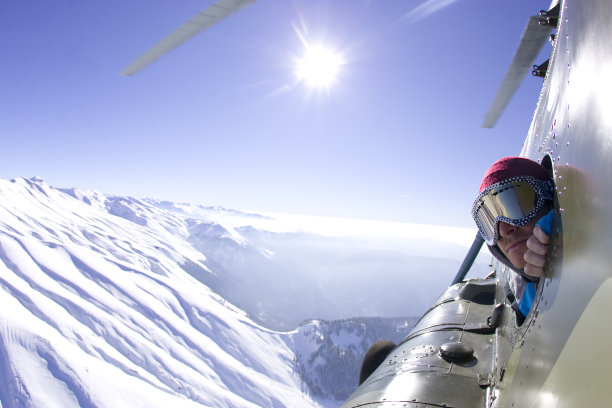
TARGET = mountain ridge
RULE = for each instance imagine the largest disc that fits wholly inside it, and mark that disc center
(100, 310)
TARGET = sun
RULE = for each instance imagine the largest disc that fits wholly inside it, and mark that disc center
(319, 66)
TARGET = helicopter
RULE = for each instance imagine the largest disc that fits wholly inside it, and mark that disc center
(468, 349)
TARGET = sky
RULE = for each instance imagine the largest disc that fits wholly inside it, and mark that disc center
(225, 120)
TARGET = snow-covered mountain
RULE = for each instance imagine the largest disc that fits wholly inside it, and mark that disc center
(329, 354)
(117, 302)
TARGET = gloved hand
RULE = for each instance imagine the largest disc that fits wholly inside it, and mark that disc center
(537, 246)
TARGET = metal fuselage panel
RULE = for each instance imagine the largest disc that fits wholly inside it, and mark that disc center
(417, 373)
(562, 360)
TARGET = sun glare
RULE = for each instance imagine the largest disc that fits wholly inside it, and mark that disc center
(318, 67)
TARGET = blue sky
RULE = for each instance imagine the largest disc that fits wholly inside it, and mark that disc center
(222, 120)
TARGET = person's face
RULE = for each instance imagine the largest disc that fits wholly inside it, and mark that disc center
(513, 241)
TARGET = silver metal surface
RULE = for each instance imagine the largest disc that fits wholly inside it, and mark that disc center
(445, 361)
(572, 129)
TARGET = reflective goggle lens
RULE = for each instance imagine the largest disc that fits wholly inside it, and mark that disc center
(515, 202)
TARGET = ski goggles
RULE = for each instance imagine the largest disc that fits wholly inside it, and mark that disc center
(515, 201)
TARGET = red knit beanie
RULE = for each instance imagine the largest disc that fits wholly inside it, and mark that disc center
(508, 167)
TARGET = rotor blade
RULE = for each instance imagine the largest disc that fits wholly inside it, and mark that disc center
(211, 15)
(532, 41)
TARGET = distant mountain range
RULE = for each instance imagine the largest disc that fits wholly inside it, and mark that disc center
(113, 301)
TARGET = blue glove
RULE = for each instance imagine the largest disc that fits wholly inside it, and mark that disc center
(546, 223)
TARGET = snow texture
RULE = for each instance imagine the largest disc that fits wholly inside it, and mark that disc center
(97, 312)
(118, 302)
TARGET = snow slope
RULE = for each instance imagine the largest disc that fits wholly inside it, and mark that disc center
(97, 312)
(118, 302)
